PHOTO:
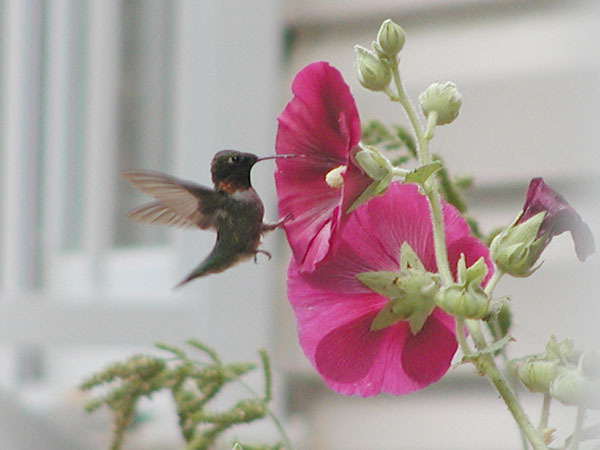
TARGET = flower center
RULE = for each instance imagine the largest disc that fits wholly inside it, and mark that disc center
(334, 177)
(410, 292)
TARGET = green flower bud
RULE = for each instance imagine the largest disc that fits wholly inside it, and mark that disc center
(390, 39)
(372, 73)
(590, 363)
(572, 387)
(465, 298)
(537, 374)
(462, 302)
(443, 99)
(373, 163)
(563, 351)
(377, 167)
(516, 249)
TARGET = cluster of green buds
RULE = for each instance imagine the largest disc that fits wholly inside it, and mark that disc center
(570, 376)
(516, 249)
(374, 66)
(465, 298)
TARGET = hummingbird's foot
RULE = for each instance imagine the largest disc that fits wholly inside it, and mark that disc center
(264, 252)
(271, 226)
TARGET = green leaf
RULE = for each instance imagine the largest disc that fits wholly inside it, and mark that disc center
(490, 349)
(401, 160)
(374, 132)
(504, 320)
(407, 139)
(422, 173)
(463, 182)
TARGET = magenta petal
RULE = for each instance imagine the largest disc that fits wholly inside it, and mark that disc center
(583, 240)
(354, 360)
(322, 89)
(355, 182)
(334, 310)
(346, 354)
(320, 124)
(560, 217)
(426, 356)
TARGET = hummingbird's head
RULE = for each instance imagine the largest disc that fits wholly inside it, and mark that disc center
(230, 170)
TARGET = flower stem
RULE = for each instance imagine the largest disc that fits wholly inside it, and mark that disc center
(487, 366)
(576, 436)
(439, 237)
(431, 123)
(545, 413)
(460, 335)
(493, 281)
(400, 172)
(403, 99)
(431, 190)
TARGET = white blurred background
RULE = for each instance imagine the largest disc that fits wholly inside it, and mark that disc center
(89, 88)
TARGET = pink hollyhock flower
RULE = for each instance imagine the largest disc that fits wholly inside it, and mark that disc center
(335, 311)
(559, 217)
(321, 124)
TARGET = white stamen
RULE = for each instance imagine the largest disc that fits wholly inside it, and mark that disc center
(334, 177)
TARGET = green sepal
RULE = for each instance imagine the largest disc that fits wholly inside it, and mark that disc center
(383, 282)
(516, 249)
(563, 351)
(385, 317)
(410, 292)
(477, 271)
(409, 259)
(376, 188)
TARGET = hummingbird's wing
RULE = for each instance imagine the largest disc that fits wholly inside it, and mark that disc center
(179, 202)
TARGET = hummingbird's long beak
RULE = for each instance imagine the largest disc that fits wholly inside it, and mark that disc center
(280, 156)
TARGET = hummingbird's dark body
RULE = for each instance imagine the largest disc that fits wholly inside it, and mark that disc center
(232, 208)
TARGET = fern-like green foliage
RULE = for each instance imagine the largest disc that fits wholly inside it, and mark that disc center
(192, 384)
(397, 138)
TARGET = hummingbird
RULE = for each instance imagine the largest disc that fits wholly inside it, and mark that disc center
(233, 208)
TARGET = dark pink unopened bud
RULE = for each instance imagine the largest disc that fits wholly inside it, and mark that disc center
(559, 217)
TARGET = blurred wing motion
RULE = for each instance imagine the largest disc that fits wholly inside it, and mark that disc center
(180, 203)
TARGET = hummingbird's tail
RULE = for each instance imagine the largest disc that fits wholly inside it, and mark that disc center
(187, 279)
(205, 268)
(217, 261)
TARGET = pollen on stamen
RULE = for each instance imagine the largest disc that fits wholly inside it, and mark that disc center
(334, 177)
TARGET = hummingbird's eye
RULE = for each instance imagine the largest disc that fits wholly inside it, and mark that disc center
(234, 159)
